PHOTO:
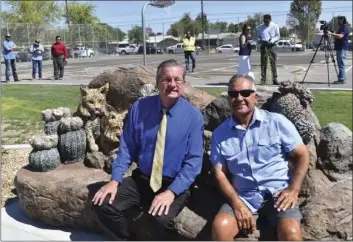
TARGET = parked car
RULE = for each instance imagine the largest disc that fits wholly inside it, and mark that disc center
(83, 51)
(227, 49)
(150, 50)
(47, 54)
(178, 49)
(23, 56)
(124, 49)
(288, 45)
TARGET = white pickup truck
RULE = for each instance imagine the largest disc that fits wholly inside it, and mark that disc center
(288, 45)
(83, 51)
(178, 49)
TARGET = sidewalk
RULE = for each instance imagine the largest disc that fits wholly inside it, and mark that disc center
(15, 225)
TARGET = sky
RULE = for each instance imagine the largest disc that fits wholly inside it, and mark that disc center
(125, 14)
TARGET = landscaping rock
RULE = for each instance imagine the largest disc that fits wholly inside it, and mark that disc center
(335, 151)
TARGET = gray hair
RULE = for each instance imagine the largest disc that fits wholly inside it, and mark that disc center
(168, 63)
(237, 77)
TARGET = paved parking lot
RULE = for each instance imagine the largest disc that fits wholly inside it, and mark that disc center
(212, 69)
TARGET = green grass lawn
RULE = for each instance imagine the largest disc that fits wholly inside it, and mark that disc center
(22, 105)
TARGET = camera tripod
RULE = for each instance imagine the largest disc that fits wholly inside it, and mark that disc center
(328, 53)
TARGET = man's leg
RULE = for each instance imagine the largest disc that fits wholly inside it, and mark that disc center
(186, 55)
(7, 70)
(14, 71)
(61, 68)
(56, 68)
(341, 55)
(40, 66)
(263, 64)
(224, 226)
(164, 224)
(193, 59)
(34, 69)
(286, 222)
(111, 216)
(273, 62)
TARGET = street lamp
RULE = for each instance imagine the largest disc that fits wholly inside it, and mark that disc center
(154, 3)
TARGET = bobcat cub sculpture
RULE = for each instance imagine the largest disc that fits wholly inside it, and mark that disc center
(91, 108)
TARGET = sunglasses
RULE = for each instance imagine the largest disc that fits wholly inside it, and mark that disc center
(243, 93)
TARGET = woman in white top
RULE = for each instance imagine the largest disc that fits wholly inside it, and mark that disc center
(245, 42)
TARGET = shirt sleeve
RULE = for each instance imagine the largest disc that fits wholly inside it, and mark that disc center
(289, 135)
(192, 164)
(216, 155)
(128, 147)
(277, 35)
(5, 45)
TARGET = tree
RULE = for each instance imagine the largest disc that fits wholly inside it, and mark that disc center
(179, 28)
(284, 31)
(307, 22)
(254, 21)
(198, 23)
(136, 35)
(28, 20)
(222, 27)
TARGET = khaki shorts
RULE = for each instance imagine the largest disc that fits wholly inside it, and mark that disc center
(267, 213)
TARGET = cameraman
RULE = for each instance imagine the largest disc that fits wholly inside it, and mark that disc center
(341, 47)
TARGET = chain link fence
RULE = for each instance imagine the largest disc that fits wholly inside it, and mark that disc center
(104, 39)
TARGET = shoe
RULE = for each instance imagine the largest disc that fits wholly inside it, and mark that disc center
(339, 82)
(40, 78)
(56, 78)
(60, 78)
(193, 70)
(275, 82)
(17, 80)
(33, 78)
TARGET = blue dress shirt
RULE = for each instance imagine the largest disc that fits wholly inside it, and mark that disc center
(184, 143)
(8, 54)
(257, 157)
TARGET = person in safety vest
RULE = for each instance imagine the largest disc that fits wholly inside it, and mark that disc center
(189, 50)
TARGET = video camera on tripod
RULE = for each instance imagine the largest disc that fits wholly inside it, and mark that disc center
(328, 51)
(324, 26)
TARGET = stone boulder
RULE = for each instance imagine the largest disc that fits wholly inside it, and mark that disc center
(328, 214)
(335, 151)
(126, 83)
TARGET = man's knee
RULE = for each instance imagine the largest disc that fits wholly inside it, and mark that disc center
(289, 229)
(224, 224)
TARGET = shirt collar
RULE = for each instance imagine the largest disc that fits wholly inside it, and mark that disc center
(258, 116)
(171, 111)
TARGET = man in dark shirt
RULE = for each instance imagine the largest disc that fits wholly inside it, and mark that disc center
(341, 47)
(60, 56)
(164, 135)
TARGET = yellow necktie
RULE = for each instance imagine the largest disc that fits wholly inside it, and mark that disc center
(157, 167)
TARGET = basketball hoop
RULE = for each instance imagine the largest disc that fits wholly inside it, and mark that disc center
(162, 3)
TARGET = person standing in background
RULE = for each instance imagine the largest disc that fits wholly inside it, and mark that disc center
(189, 50)
(341, 47)
(37, 58)
(268, 34)
(8, 50)
(60, 56)
(245, 41)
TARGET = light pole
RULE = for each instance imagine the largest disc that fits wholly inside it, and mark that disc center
(154, 3)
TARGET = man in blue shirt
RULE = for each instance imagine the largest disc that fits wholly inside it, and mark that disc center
(37, 51)
(341, 47)
(268, 35)
(8, 50)
(253, 148)
(181, 125)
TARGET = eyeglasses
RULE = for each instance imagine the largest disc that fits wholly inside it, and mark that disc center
(169, 81)
(243, 93)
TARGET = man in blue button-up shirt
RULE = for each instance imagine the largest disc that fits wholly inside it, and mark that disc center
(254, 147)
(8, 50)
(183, 153)
(268, 34)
